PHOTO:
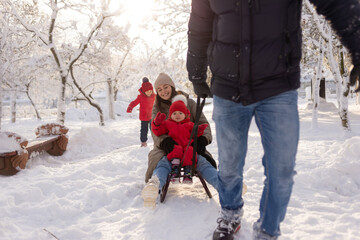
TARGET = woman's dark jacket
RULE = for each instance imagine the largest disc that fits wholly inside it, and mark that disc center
(253, 47)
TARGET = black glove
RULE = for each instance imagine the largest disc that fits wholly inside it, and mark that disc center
(201, 144)
(167, 145)
(202, 89)
(355, 77)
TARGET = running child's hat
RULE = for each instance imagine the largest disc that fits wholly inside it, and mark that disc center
(146, 85)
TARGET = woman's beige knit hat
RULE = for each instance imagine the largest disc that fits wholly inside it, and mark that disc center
(163, 78)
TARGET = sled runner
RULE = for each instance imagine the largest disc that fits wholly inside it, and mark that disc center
(168, 180)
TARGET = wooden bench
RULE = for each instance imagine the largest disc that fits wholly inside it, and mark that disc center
(50, 138)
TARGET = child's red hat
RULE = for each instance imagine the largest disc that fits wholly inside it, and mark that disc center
(146, 85)
(179, 104)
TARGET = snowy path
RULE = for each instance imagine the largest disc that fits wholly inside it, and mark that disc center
(93, 190)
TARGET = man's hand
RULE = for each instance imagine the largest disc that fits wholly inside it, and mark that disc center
(202, 89)
(355, 77)
(202, 142)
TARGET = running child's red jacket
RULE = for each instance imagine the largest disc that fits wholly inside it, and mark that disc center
(146, 105)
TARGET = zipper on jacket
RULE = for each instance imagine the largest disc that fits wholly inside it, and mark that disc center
(287, 41)
(251, 46)
(238, 10)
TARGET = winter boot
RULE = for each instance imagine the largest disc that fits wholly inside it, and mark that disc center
(151, 192)
(143, 144)
(187, 175)
(228, 224)
(174, 170)
(226, 229)
(187, 180)
(258, 234)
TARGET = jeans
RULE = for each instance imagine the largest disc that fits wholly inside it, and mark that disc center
(278, 122)
(145, 125)
(207, 171)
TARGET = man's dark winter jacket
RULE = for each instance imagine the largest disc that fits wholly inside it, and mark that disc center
(253, 47)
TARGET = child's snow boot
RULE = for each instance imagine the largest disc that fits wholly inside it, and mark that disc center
(174, 170)
(151, 192)
(187, 179)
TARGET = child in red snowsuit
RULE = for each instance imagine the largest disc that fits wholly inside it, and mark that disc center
(179, 128)
(146, 99)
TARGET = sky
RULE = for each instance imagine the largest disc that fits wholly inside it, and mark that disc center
(136, 16)
(93, 190)
(133, 13)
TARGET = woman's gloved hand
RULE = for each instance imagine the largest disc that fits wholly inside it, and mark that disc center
(168, 145)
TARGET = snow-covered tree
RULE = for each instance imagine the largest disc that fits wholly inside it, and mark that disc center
(336, 61)
(57, 32)
(15, 48)
(105, 59)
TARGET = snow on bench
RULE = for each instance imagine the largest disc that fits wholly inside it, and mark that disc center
(16, 150)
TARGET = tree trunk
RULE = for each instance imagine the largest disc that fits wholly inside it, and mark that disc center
(116, 90)
(34, 106)
(61, 102)
(316, 86)
(31, 101)
(13, 106)
(344, 105)
(90, 101)
(110, 99)
(344, 95)
(342, 90)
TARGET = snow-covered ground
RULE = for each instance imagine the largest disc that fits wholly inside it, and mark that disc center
(93, 190)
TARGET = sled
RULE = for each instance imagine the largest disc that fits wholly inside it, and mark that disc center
(51, 138)
(168, 180)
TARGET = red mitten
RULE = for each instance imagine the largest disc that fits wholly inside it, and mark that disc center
(177, 152)
(129, 110)
(188, 157)
(160, 117)
(201, 129)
